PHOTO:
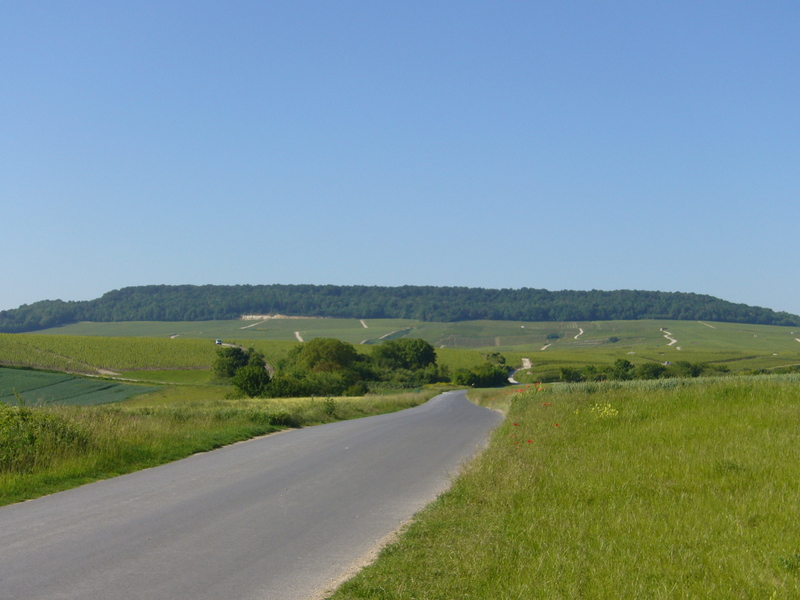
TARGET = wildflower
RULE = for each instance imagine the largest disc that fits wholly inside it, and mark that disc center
(515, 424)
(556, 424)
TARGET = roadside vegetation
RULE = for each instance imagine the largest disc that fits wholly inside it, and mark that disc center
(44, 449)
(624, 370)
(672, 488)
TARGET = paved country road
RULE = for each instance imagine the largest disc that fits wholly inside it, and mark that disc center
(280, 517)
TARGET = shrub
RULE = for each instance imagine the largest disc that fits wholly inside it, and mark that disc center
(31, 436)
(251, 380)
(487, 375)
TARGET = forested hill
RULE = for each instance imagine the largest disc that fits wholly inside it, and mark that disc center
(429, 303)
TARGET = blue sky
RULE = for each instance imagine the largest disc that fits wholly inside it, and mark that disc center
(559, 145)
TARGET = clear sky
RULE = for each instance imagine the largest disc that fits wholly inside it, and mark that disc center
(557, 145)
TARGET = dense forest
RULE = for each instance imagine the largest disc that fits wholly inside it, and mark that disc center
(424, 303)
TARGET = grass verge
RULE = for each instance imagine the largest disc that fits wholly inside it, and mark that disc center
(632, 490)
(52, 448)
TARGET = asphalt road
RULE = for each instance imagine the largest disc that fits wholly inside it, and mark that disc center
(281, 517)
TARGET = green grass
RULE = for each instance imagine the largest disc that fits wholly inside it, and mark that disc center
(52, 448)
(182, 376)
(660, 489)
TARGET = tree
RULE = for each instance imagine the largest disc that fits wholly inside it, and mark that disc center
(623, 369)
(650, 370)
(228, 360)
(684, 368)
(232, 358)
(405, 353)
(323, 354)
(251, 380)
(495, 358)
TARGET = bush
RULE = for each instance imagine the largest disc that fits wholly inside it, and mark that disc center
(650, 370)
(405, 353)
(251, 380)
(569, 375)
(29, 436)
(487, 375)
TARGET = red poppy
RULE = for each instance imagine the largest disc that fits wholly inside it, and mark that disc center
(556, 424)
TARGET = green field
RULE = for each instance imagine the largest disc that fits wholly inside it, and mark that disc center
(669, 489)
(150, 353)
(349, 330)
(38, 388)
(739, 347)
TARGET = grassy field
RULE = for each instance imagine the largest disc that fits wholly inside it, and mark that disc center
(664, 489)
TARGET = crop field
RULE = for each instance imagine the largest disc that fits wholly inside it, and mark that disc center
(38, 388)
(89, 354)
(548, 345)
(667, 489)
(348, 330)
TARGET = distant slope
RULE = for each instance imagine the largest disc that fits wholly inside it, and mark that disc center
(424, 303)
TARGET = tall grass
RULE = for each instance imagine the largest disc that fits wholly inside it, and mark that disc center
(618, 491)
(46, 449)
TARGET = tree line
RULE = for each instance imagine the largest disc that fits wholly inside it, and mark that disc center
(422, 303)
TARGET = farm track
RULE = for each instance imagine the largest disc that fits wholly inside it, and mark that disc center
(671, 339)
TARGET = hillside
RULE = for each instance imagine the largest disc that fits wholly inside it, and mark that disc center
(423, 303)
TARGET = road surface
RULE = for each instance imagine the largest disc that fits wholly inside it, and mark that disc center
(281, 517)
